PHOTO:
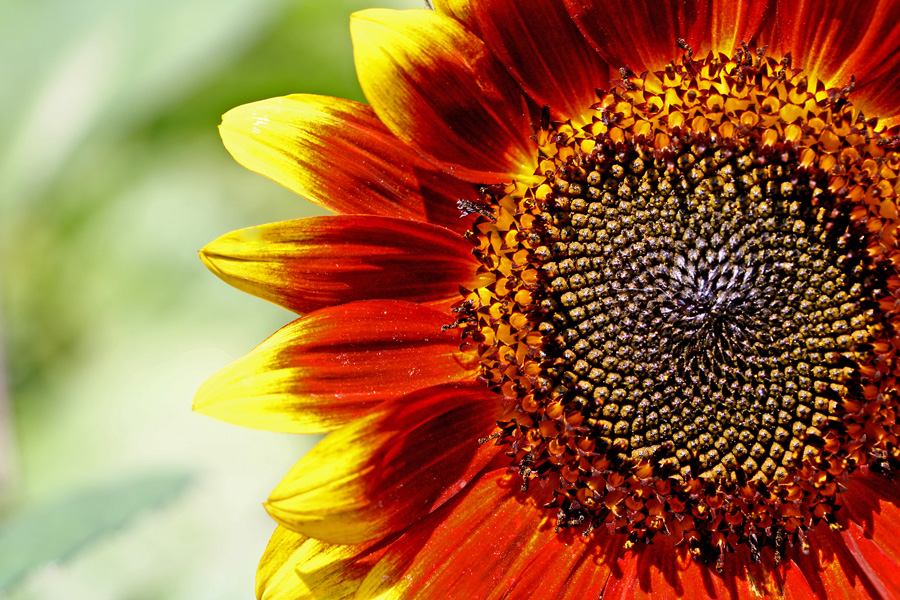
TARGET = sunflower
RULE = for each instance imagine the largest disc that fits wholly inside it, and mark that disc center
(607, 308)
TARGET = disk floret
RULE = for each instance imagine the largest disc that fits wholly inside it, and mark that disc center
(692, 314)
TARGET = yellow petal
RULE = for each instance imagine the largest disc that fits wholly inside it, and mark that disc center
(338, 154)
(461, 10)
(382, 472)
(335, 364)
(295, 567)
(437, 87)
(316, 262)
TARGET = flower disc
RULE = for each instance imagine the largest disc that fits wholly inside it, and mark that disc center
(691, 310)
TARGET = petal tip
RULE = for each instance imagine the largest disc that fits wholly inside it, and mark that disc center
(209, 257)
(280, 515)
(205, 397)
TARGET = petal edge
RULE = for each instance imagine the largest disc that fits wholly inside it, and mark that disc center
(438, 88)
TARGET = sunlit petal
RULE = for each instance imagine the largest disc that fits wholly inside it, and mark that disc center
(311, 263)
(437, 88)
(334, 365)
(339, 155)
(385, 470)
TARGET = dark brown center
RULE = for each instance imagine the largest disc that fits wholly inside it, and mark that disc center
(713, 308)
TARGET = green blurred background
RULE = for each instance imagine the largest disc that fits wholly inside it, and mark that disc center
(112, 176)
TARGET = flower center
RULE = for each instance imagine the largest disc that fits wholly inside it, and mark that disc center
(691, 315)
(702, 313)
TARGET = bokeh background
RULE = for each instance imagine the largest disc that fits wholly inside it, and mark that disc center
(112, 176)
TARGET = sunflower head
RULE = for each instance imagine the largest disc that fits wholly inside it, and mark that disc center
(662, 333)
(712, 305)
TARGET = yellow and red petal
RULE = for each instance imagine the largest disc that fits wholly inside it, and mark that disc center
(295, 567)
(839, 39)
(478, 546)
(380, 473)
(311, 263)
(335, 364)
(643, 34)
(439, 89)
(544, 51)
(337, 154)
(461, 10)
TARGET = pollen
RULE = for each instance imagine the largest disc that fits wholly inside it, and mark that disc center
(692, 314)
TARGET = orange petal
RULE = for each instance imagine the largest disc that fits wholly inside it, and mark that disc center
(541, 47)
(339, 155)
(311, 263)
(877, 565)
(382, 472)
(643, 34)
(480, 546)
(872, 530)
(830, 569)
(439, 89)
(335, 364)
(659, 571)
(564, 570)
(295, 567)
(662, 570)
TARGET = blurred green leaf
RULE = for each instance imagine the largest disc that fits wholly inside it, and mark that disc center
(58, 530)
(81, 73)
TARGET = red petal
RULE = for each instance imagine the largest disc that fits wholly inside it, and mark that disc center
(438, 88)
(660, 571)
(379, 474)
(643, 34)
(834, 40)
(339, 155)
(333, 365)
(478, 546)
(830, 569)
(566, 571)
(881, 569)
(540, 45)
(311, 263)
(872, 531)
(795, 585)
